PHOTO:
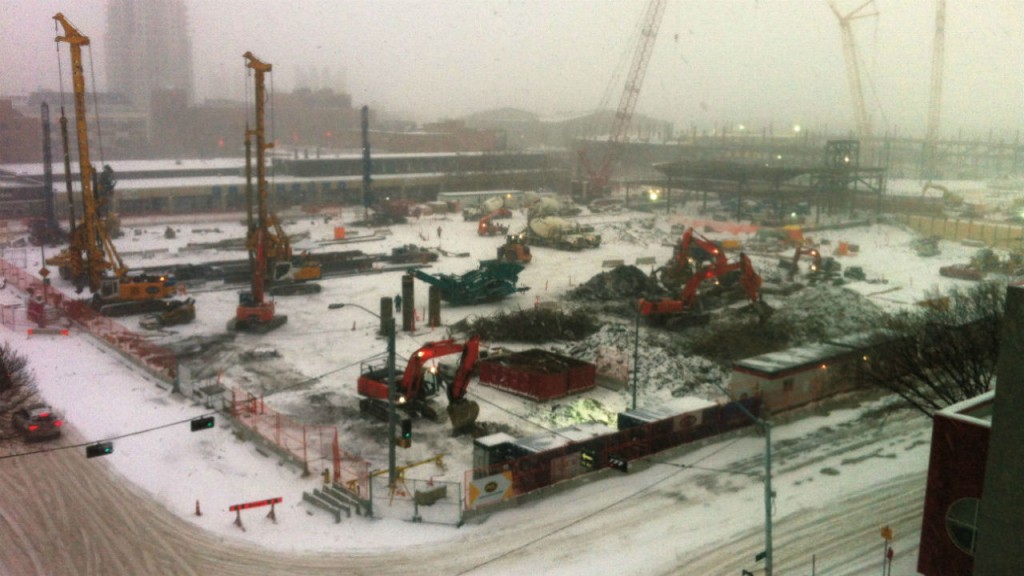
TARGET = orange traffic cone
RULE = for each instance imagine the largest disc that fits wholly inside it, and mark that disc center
(198, 512)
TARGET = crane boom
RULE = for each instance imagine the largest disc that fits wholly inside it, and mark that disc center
(91, 270)
(254, 312)
(935, 94)
(259, 239)
(865, 10)
(650, 23)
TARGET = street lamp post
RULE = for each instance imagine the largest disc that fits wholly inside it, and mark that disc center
(389, 329)
(769, 494)
(636, 353)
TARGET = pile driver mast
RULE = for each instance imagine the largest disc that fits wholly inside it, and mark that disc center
(83, 262)
(599, 177)
(116, 295)
(255, 313)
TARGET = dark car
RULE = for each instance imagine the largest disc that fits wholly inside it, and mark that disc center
(37, 422)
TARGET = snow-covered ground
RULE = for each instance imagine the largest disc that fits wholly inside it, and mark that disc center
(320, 351)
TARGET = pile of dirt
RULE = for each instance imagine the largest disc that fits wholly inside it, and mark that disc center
(822, 312)
(665, 368)
(532, 325)
(810, 315)
(623, 283)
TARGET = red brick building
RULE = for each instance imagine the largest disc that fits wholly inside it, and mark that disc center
(956, 477)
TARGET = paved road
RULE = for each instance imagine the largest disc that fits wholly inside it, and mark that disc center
(61, 514)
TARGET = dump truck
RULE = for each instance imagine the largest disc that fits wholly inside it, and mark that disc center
(555, 232)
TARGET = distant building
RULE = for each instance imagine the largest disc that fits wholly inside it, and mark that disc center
(22, 135)
(148, 47)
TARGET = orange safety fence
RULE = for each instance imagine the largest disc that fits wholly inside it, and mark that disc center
(312, 446)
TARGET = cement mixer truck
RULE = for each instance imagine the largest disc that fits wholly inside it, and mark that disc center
(555, 232)
(486, 207)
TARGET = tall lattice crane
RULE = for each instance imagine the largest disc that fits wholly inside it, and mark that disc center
(598, 178)
(865, 10)
(930, 168)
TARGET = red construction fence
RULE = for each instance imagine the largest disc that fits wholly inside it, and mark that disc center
(314, 447)
(157, 360)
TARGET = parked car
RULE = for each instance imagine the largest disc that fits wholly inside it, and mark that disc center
(37, 422)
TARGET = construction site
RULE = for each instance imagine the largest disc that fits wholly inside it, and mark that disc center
(468, 336)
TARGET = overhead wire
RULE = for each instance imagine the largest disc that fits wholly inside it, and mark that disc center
(96, 107)
(60, 65)
(273, 130)
(601, 510)
(108, 438)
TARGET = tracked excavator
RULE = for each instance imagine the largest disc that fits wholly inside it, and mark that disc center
(487, 227)
(292, 275)
(688, 255)
(91, 260)
(686, 310)
(421, 382)
(821, 267)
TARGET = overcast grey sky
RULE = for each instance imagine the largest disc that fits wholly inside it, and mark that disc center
(714, 62)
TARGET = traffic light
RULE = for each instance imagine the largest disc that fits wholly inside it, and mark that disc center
(619, 463)
(99, 449)
(405, 440)
(202, 423)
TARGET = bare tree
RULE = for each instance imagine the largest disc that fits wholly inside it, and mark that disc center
(17, 387)
(942, 353)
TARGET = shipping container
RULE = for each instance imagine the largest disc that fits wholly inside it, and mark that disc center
(538, 374)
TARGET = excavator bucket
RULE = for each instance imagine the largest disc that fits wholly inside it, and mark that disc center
(463, 415)
(762, 309)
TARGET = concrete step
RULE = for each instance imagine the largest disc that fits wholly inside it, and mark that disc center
(323, 505)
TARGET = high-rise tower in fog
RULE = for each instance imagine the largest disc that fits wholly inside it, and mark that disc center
(148, 47)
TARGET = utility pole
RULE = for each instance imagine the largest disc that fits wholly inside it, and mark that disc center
(769, 494)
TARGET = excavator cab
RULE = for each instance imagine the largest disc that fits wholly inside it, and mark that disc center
(421, 381)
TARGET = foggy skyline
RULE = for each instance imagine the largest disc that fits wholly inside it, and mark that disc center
(751, 62)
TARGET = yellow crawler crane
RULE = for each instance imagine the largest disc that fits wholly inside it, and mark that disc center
(91, 254)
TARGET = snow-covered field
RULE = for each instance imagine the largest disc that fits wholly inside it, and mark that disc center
(320, 350)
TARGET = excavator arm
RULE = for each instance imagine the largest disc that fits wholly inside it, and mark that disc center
(412, 380)
(470, 354)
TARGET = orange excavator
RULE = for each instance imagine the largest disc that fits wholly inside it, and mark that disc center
(486, 226)
(684, 311)
(820, 267)
(420, 383)
(691, 250)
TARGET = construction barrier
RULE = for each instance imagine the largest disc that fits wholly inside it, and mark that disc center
(312, 447)
(158, 361)
(1002, 235)
(508, 480)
